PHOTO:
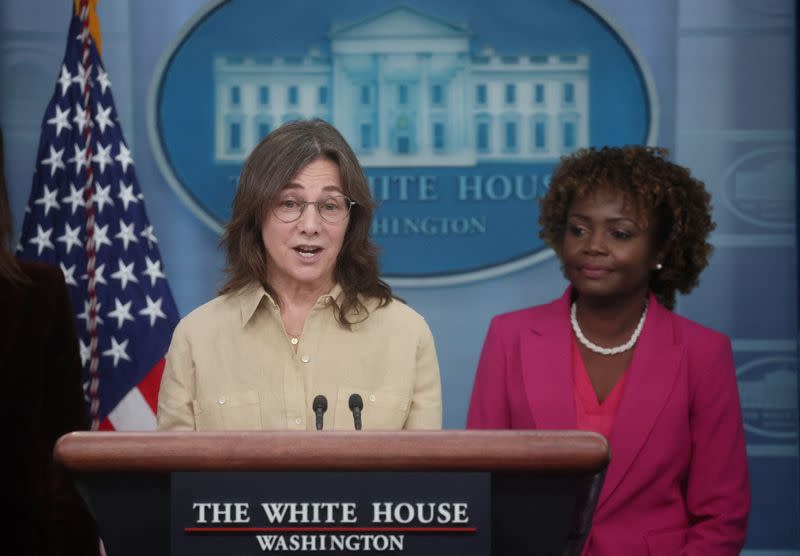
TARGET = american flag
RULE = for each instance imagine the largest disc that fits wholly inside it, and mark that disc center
(86, 213)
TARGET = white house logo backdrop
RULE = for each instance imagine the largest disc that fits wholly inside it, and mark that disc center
(457, 110)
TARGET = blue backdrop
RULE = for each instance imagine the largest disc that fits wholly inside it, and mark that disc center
(724, 75)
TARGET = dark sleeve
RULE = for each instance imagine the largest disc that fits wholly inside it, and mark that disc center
(66, 525)
(63, 390)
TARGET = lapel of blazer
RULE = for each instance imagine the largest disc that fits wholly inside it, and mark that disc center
(651, 378)
(546, 366)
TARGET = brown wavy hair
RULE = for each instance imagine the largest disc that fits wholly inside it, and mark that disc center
(657, 189)
(10, 270)
(267, 170)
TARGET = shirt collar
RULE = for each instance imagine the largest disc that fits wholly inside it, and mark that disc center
(252, 296)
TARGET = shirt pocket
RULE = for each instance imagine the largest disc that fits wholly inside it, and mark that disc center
(666, 542)
(383, 409)
(229, 411)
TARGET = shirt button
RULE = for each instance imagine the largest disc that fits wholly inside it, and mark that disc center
(305, 359)
(221, 401)
(372, 397)
(294, 341)
(298, 421)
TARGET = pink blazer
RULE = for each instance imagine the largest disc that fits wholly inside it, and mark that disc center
(677, 482)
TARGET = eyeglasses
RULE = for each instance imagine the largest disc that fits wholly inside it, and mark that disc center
(332, 209)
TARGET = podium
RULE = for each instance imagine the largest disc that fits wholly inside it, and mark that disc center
(541, 486)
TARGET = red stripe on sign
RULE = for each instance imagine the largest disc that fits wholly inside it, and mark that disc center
(330, 530)
(151, 383)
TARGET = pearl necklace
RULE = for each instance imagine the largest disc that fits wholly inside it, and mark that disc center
(605, 351)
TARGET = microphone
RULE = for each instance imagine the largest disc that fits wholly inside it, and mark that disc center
(356, 405)
(320, 406)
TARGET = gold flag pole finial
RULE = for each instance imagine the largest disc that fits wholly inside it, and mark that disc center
(94, 22)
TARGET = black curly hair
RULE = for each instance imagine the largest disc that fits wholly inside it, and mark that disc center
(656, 188)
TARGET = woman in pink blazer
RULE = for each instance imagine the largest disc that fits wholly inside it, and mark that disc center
(630, 229)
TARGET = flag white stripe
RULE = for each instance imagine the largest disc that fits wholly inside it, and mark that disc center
(133, 413)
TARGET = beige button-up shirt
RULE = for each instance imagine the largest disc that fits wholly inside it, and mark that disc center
(231, 366)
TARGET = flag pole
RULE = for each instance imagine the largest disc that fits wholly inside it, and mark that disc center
(91, 254)
(86, 214)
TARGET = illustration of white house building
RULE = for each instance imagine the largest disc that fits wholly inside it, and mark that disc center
(405, 90)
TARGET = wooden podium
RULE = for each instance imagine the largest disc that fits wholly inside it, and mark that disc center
(543, 484)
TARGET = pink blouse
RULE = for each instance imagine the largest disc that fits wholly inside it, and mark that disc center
(592, 415)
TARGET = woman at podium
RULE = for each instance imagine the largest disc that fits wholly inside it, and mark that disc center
(630, 229)
(304, 334)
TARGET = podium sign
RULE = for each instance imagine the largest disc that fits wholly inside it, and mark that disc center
(515, 493)
(425, 514)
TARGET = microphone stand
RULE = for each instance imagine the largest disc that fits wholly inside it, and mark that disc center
(356, 404)
(320, 406)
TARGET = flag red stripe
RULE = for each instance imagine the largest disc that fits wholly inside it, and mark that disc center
(151, 383)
